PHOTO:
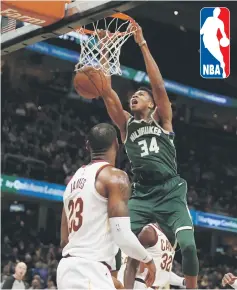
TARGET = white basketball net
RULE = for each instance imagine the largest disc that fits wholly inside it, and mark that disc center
(103, 53)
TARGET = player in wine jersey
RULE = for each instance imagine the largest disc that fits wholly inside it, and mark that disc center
(159, 193)
(157, 244)
(95, 219)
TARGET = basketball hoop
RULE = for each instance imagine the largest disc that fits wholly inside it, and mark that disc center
(103, 53)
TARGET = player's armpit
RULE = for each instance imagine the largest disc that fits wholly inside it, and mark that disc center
(130, 273)
(115, 110)
(64, 230)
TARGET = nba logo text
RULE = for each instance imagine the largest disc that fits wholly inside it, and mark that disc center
(215, 42)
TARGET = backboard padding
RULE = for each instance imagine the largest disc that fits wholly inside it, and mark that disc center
(30, 34)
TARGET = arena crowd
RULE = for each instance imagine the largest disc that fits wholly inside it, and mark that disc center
(44, 138)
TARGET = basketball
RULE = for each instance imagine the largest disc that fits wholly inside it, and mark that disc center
(224, 42)
(90, 83)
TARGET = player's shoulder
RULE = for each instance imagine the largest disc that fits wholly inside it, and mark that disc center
(113, 180)
(148, 236)
(148, 230)
(153, 229)
(112, 174)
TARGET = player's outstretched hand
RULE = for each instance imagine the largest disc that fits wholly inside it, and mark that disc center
(150, 277)
(229, 279)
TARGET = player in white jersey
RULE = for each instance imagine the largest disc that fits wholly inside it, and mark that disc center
(95, 219)
(162, 252)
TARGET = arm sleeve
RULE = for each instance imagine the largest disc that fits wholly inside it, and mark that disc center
(126, 240)
(176, 280)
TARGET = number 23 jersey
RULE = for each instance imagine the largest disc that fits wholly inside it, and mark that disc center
(87, 215)
(151, 151)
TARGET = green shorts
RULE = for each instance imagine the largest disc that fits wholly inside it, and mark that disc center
(165, 204)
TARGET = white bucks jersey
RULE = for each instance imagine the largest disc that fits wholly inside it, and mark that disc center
(163, 255)
(88, 224)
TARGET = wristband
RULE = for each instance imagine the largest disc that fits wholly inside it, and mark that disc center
(142, 43)
(126, 240)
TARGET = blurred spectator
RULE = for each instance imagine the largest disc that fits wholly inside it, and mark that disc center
(16, 281)
(35, 284)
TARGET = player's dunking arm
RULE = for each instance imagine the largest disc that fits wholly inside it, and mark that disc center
(111, 99)
(114, 184)
(116, 111)
(163, 105)
(64, 230)
(147, 238)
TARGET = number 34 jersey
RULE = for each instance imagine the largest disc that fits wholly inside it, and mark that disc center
(87, 215)
(163, 256)
(151, 151)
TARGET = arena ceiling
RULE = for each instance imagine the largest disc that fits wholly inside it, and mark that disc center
(188, 13)
(174, 41)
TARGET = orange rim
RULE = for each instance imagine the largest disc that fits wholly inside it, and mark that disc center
(119, 15)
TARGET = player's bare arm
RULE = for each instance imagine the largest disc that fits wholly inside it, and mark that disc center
(64, 230)
(117, 283)
(147, 238)
(115, 110)
(114, 184)
(163, 105)
(111, 99)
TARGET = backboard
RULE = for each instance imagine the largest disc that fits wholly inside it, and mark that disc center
(77, 13)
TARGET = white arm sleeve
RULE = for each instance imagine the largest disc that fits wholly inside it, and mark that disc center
(176, 280)
(126, 240)
(234, 285)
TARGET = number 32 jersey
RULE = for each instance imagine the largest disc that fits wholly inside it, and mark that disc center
(87, 215)
(163, 256)
(151, 151)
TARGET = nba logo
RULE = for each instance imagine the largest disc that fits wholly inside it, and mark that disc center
(214, 42)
